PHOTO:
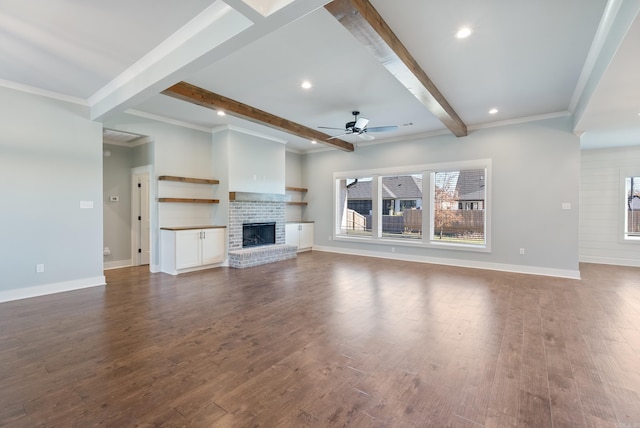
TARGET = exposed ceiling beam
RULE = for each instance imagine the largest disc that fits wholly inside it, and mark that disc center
(202, 97)
(368, 27)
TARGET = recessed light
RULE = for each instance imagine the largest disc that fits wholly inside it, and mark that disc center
(306, 85)
(463, 33)
(493, 111)
(221, 113)
(314, 142)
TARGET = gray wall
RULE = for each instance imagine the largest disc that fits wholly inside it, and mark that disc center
(601, 205)
(536, 168)
(50, 161)
(117, 215)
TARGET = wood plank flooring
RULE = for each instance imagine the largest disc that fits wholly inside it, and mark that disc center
(327, 340)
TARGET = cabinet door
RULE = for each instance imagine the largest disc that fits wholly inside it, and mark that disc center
(291, 234)
(306, 235)
(213, 246)
(188, 249)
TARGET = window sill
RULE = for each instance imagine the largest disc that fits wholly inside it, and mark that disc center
(415, 243)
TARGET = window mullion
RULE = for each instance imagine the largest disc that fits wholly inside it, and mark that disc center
(376, 209)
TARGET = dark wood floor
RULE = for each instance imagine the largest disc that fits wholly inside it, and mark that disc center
(327, 340)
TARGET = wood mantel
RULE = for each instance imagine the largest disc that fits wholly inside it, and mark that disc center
(258, 197)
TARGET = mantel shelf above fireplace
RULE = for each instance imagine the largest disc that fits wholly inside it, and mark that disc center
(258, 197)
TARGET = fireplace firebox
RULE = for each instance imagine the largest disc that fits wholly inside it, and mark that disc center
(256, 234)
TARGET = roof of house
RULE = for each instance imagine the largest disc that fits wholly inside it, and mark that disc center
(471, 185)
(400, 187)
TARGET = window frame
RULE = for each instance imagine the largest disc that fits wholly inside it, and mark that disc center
(624, 237)
(428, 187)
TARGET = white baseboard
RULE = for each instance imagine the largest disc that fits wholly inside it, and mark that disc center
(118, 264)
(529, 270)
(58, 287)
(609, 261)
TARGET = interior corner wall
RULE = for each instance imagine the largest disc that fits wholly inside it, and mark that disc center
(535, 169)
(50, 164)
(602, 203)
(117, 214)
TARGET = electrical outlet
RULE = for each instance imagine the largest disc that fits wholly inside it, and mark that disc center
(393, 249)
(521, 251)
(40, 268)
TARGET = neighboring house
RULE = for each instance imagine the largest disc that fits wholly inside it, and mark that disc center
(634, 203)
(471, 190)
(398, 193)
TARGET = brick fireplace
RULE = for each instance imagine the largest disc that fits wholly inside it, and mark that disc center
(247, 208)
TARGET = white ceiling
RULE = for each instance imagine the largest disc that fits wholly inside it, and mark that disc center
(528, 59)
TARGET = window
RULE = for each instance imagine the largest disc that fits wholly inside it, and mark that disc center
(355, 205)
(632, 208)
(458, 213)
(402, 203)
(429, 205)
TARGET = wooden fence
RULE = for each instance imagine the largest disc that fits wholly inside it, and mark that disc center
(465, 222)
(633, 221)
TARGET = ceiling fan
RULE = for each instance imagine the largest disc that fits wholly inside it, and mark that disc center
(358, 126)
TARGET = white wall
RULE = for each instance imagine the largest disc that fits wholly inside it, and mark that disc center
(536, 167)
(50, 161)
(255, 164)
(601, 203)
(294, 178)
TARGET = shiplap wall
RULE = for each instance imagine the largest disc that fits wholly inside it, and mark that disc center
(601, 205)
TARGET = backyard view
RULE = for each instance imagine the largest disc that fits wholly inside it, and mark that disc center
(458, 213)
(632, 187)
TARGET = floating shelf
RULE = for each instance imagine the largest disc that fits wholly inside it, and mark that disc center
(188, 179)
(190, 200)
(296, 189)
(302, 204)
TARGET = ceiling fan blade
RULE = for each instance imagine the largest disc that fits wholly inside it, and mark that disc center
(338, 136)
(329, 127)
(366, 137)
(382, 128)
(361, 123)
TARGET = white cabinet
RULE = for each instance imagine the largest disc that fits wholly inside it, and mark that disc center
(185, 249)
(299, 235)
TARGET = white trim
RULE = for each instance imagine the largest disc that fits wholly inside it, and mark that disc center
(609, 261)
(528, 270)
(167, 120)
(172, 44)
(445, 132)
(117, 264)
(43, 92)
(136, 143)
(519, 120)
(45, 289)
(248, 132)
(606, 22)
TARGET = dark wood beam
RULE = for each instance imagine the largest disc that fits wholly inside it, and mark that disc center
(202, 97)
(368, 27)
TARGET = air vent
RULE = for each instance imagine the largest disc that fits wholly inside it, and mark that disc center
(123, 138)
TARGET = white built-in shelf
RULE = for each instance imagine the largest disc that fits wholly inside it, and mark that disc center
(296, 189)
(188, 179)
(190, 200)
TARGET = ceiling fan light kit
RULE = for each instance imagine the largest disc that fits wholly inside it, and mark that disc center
(358, 126)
